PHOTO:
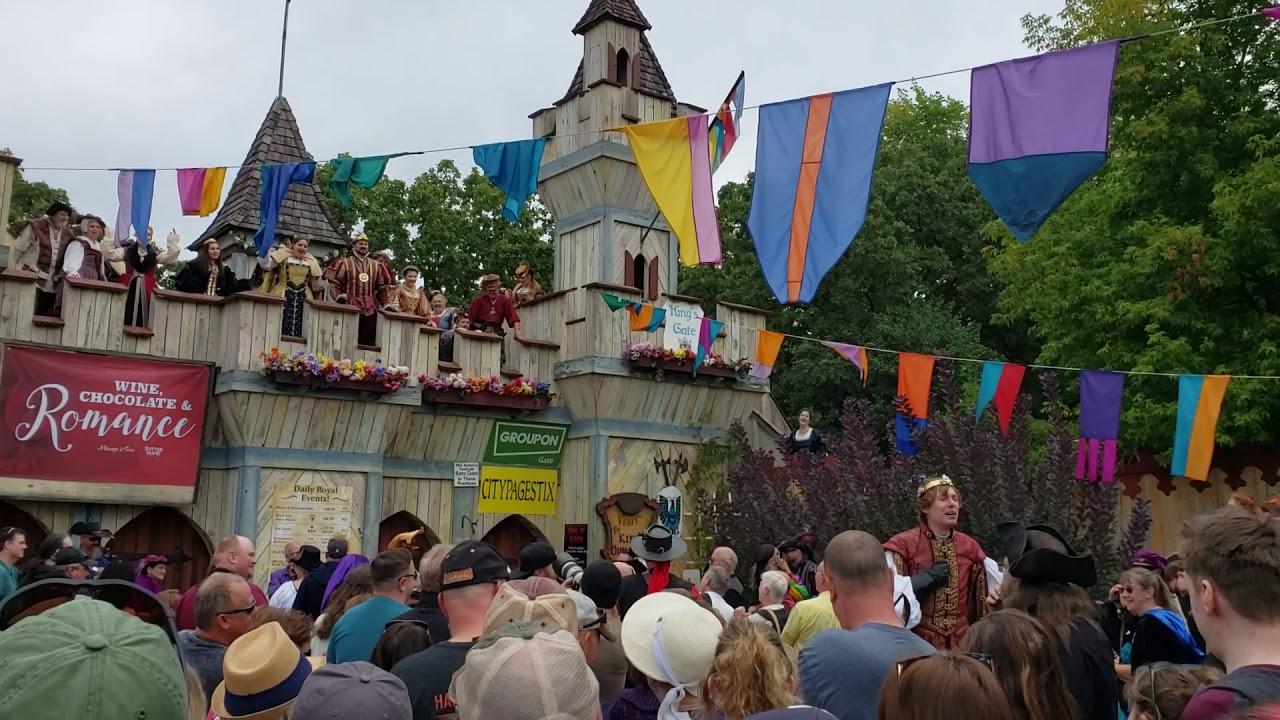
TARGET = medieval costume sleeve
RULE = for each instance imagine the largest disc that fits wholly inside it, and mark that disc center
(73, 258)
(171, 252)
(112, 256)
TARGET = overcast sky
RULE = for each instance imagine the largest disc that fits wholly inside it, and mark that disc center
(168, 83)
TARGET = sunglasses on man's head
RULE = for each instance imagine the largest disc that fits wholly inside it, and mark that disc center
(980, 657)
(246, 610)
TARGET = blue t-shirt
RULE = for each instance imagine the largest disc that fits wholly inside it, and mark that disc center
(359, 629)
(9, 577)
(841, 671)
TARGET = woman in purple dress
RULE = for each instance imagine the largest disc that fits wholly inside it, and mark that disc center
(151, 572)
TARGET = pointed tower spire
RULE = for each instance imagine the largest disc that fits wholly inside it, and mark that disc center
(304, 211)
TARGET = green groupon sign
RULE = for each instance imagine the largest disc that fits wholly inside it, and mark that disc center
(518, 443)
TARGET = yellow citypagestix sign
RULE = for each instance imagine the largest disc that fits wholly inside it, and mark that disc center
(522, 490)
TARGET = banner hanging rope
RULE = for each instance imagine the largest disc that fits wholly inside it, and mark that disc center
(459, 148)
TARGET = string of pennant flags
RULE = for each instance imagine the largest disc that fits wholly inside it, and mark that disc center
(1039, 128)
(1101, 393)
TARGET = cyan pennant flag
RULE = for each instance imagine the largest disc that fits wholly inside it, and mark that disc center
(513, 168)
(1039, 128)
(814, 162)
(706, 335)
(362, 172)
(276, 179)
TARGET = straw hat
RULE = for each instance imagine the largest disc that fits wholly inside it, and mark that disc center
(490, 280)
(262, 672)
(688, 633)
(548, 612)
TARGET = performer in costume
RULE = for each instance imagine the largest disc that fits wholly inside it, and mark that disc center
(206, 275)
(293, 274)
(408, 298)
(950, 576)
(364, 283)
(445, 318)
(141, 261)
(82, 257)
(37, 249)
(526, 288)
(490, 309)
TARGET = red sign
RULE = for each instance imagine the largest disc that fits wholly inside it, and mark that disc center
(100, 419)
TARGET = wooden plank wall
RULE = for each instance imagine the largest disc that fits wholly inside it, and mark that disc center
(578, 253)
(669, 403)
(300, 422)
(213, 512)
(624, 187)
(609, 332)
(431, 501)
(626, 237)
(631, 469)
(266, 525)
(1169, 512)
(477, 353)
(742, 329)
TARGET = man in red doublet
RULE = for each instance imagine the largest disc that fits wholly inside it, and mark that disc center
(364, 283)
(948, 570)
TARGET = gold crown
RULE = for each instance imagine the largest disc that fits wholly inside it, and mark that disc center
(930, 483)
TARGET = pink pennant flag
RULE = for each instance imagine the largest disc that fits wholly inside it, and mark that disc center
(1271, 12)
(855, 354)
(200, 190)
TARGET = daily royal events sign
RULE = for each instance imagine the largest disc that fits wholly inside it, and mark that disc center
(518, 443)
(119, 428)
(683, 323)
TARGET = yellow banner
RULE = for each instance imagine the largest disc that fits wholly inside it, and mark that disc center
(527, 491)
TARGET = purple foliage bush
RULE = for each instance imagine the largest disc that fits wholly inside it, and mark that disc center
(866, 484)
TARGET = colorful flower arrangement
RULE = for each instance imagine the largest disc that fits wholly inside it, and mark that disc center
(682, 356)
(470, 383)
(325, 370)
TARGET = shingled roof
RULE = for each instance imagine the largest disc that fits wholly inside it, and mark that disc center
(653, 81)
(303, 212)
(624, 11)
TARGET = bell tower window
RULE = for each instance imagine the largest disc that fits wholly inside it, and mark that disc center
(623, 68)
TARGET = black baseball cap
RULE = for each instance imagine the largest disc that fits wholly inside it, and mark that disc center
(71, 556)
(337, 548)
(602, 581)
(472, 562)
(534, 557)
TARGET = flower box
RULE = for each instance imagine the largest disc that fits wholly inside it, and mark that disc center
(484, 399)
(645, 364)
(283, 377)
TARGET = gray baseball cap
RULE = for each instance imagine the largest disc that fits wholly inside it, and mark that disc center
(352, 691)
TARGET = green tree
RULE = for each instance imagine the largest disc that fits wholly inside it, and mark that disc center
(449, 225)
(30, 199)
(914, 279)
(1168, 259)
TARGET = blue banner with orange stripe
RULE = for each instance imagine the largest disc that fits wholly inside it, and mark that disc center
(814, 161)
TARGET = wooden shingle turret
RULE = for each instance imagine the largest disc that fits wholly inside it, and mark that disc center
(304, 211)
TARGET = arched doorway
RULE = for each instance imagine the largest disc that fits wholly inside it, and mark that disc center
(404, 523)
(511, 535)
(165, 531)
(14, 516)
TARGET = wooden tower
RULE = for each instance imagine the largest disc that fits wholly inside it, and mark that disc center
(589, 179)
(303, 212)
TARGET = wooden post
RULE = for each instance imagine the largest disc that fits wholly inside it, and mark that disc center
(8, 169)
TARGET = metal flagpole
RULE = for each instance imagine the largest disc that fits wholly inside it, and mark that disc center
(284, 37)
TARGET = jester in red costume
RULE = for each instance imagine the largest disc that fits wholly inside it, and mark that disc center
(949, 574)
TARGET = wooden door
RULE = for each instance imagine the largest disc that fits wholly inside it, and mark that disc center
(510, 536)
(165, 531)
(405, 522)
(13, 516)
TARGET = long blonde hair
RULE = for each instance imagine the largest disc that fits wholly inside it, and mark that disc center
(751, 672)
(1150, 580)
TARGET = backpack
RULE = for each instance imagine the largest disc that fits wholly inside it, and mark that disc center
(776, 618)
(1251, 685)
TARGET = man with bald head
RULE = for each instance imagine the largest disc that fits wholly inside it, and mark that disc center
(281, 576)
(235, 554)
(841, 670)
(725, 557)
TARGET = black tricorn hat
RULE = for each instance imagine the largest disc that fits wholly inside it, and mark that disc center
(57, 207)
(1039, 553)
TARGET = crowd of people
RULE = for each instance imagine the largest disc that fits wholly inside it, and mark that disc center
(62, 244)
(923, 626)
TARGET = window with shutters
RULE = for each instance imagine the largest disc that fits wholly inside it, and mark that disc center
(622, 68)
(640, 273)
